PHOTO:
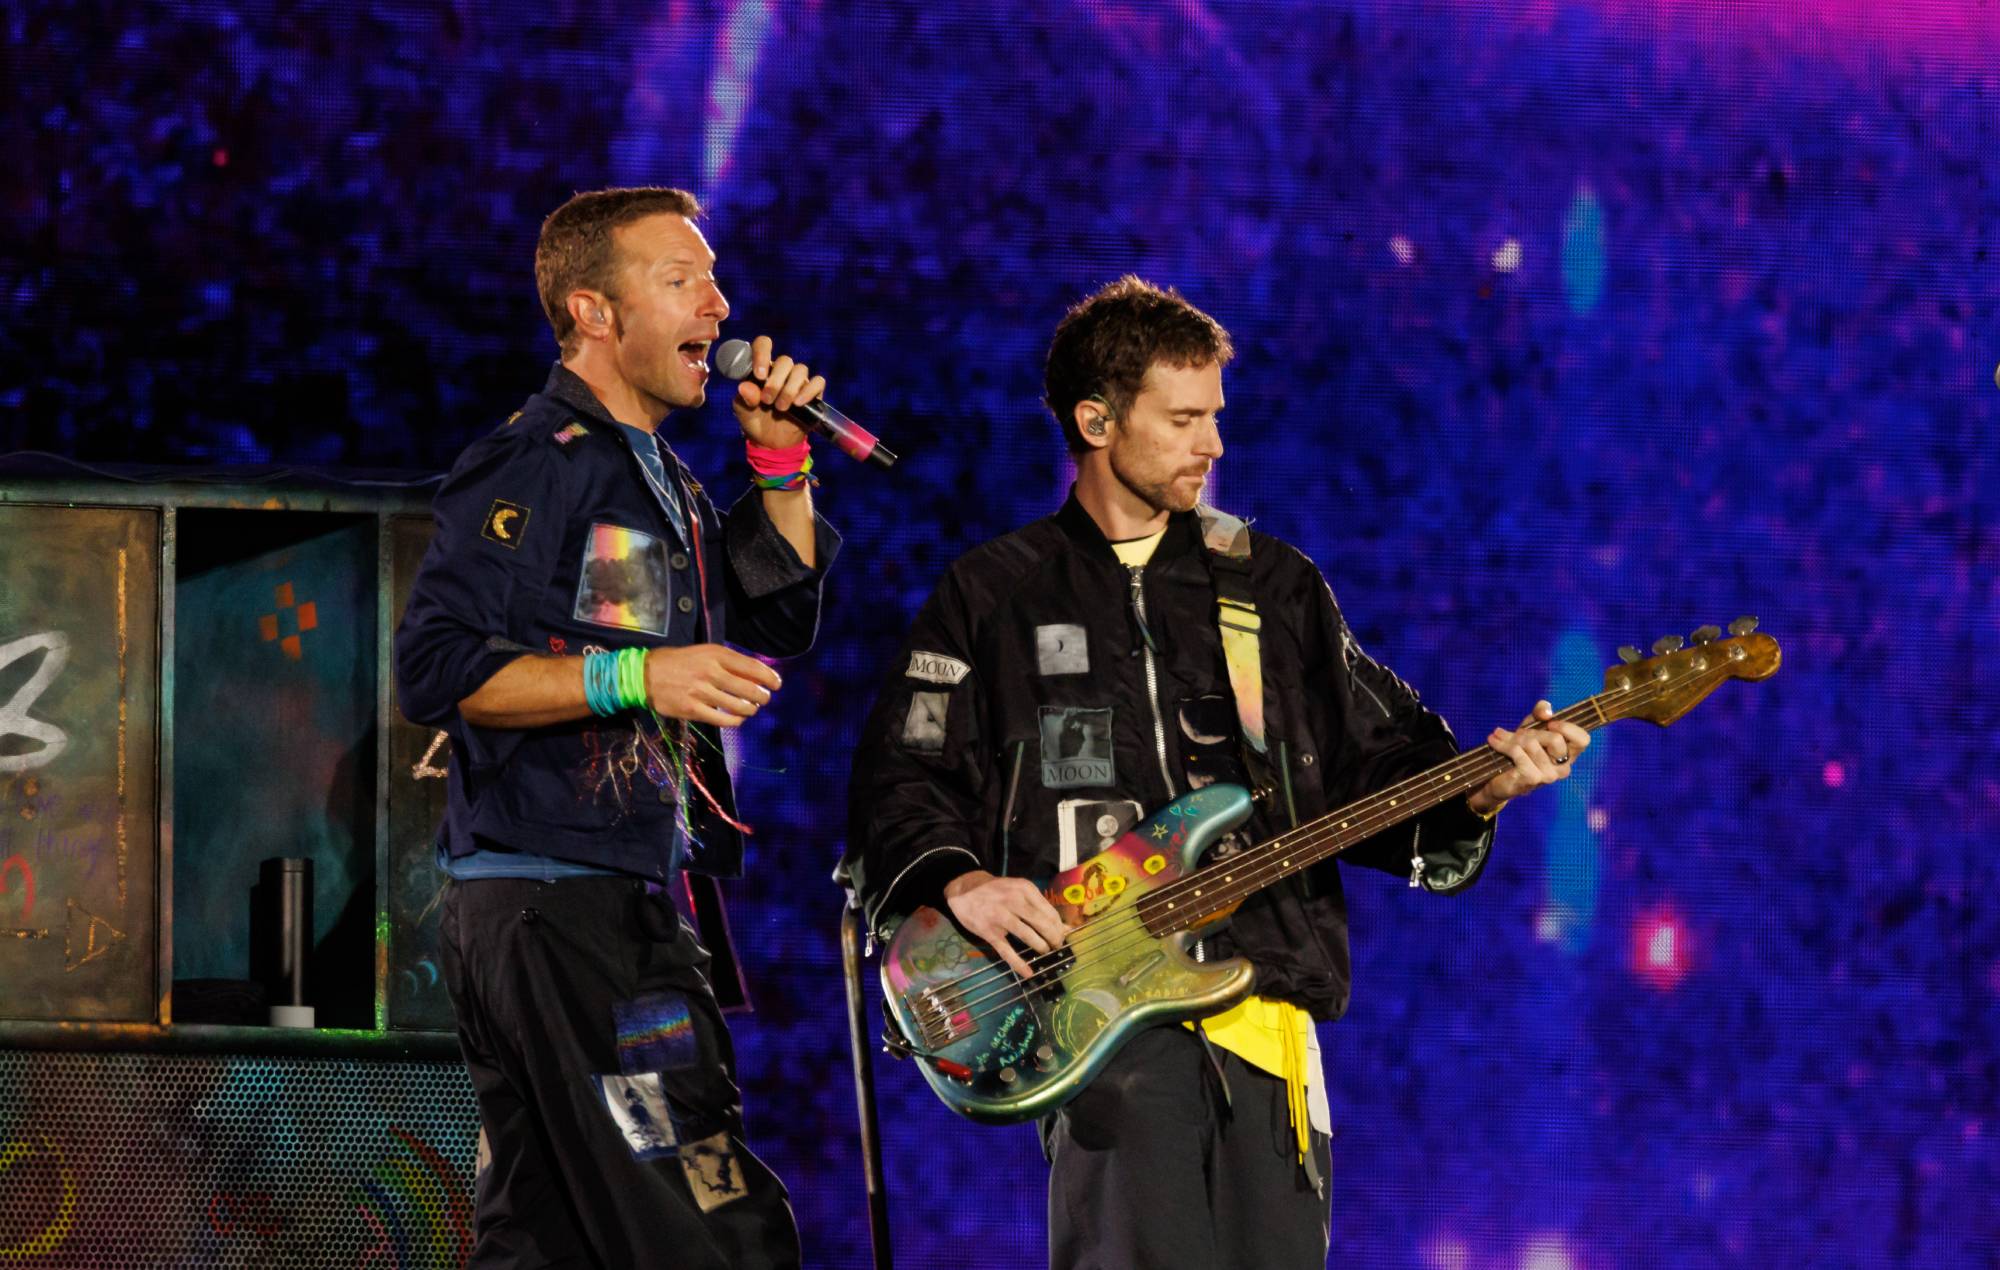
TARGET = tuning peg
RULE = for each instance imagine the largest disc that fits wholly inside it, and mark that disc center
(1743, 626)
(1629, 654)
(1706, 634)
(1668, 644)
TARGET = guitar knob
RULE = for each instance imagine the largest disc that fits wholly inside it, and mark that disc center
(1008, 1075)
(1045, 1056)
(1706, 634)
(1629, 655)
(1668, 644)
(1743, 626)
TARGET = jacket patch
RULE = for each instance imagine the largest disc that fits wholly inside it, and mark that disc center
(505, 523)
(924, 726)
(569, 432)
(937, 668)
(1062, 650)
(624, 581)
(1086, 826)
(1076, 747)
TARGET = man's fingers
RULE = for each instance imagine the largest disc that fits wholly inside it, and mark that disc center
(760, 356)
(1024, 930)
(796, 380)
(812, 390)
(744, 666)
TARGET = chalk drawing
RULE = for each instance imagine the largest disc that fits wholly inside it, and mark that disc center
(14, 718)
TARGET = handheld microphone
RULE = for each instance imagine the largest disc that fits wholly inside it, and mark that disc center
(733, 360)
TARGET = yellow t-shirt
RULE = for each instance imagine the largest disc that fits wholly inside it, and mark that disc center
(1272, 1036)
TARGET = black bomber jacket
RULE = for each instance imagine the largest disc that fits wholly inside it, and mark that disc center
(1025, 726)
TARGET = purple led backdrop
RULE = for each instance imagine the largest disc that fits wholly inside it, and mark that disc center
(1563, 325)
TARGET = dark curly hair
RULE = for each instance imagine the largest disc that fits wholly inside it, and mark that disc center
(1111, 338)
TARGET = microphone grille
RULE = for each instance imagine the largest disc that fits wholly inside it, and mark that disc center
(733, 358)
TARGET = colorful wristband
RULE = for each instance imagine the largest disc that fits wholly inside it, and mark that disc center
(767, 461)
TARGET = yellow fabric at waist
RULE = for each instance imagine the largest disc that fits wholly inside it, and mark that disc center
(1272, 1037)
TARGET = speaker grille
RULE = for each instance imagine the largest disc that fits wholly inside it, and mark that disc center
(160, 1160)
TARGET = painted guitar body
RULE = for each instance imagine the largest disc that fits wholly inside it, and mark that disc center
(997, 1054)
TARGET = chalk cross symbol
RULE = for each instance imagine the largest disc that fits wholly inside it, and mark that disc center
(298, 617)
(14, 718)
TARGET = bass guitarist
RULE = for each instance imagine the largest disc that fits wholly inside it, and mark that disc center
(1067, 679)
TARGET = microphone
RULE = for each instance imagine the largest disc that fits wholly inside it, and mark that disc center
(733, 360)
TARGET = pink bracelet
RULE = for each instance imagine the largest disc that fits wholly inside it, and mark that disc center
(765, 461)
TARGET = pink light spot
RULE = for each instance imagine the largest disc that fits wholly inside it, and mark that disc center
(1598, 819)
(1548, 1252)
(220, 158)
(1660, 949)
(1448, 1252)
(1834, 774)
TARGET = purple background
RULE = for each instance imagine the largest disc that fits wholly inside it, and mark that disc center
(1563, 325)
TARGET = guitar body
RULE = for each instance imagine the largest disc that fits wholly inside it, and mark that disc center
(996, 1053)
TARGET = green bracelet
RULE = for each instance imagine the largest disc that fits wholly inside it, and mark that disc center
(632, 678)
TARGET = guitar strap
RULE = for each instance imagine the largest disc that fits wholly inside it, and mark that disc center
(1228, 541)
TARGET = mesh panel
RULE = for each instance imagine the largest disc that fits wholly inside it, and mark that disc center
(116, 1160)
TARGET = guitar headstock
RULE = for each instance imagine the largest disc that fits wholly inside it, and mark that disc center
(1676, 679)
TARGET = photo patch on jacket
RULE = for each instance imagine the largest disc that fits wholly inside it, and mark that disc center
(1209, 731)
(1087, 826)
(923, 727)
(1076, 747)
(505, 523)
(625, 581)
(1062, 650)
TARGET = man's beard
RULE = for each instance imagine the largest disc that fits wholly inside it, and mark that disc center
(1161, 496)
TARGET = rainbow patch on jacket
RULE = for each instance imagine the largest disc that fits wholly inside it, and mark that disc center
(624, 580)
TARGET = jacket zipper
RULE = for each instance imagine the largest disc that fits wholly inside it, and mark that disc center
(1152, 678)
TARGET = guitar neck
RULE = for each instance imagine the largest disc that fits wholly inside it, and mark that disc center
(1220, 887)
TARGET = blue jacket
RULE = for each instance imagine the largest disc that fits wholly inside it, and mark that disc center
(551, 540)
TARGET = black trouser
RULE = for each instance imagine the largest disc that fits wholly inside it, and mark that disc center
(605, 1083)
(1181, 1156)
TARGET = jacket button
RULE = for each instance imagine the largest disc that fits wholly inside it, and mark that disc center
(686, 603)
(531, 915)
(1306, 760)
(678, 561)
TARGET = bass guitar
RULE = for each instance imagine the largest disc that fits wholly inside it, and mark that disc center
(998, 1048)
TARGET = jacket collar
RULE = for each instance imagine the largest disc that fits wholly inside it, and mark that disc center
(566, 386)
(1183, 533)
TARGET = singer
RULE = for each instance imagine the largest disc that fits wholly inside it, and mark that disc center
(567, 632)
(1088, 668)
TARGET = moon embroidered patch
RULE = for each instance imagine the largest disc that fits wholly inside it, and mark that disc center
(505, 523)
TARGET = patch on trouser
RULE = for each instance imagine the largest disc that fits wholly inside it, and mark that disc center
(482, 1157)
(655, 1033)
(713, 1172)
(1076, 747)
(638, 1106)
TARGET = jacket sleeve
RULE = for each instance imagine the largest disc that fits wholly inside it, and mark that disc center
(920, 771)
(500, 517)
(774, 599)
(1382, 733)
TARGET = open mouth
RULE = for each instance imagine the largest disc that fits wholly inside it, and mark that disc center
(695, 354)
